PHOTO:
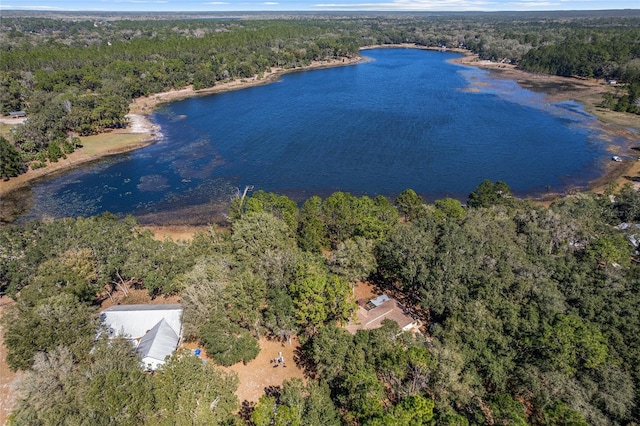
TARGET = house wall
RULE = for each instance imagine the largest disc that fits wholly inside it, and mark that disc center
(151, 364)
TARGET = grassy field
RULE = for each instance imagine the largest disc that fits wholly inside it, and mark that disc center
(92, 147)
(110, 142)
(5, 129)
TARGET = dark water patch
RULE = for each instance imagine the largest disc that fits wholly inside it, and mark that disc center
(407, 119)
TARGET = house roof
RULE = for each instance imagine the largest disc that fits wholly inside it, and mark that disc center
(390, 309)
(135, 321)
(159, 342)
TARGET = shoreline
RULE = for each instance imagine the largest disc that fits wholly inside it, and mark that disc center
(141, 125)
(139, 134)
(147, 104)
(555, 88)
(588, 93)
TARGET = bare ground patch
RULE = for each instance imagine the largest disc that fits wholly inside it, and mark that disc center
(175, 232)
(262, 374)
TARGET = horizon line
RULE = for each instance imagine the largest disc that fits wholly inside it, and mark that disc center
(56, 10)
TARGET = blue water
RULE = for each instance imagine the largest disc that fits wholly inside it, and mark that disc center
(405, 119)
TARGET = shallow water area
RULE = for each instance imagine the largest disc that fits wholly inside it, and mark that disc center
(405, 119)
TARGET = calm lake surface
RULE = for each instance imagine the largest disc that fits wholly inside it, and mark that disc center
(405, 119)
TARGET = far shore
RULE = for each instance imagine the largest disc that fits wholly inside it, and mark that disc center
(141, 131)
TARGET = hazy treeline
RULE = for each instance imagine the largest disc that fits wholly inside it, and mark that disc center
(78, 76)
(531, 313)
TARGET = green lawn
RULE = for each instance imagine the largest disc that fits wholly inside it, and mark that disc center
(105, 142)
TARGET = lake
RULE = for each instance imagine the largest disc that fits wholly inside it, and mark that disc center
(406, 118)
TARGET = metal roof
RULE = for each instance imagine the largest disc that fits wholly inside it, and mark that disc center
(135, 321)
(159, 342)
(144, 307)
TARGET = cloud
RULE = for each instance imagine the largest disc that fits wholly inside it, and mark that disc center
(529, 4)
(34, 7)
(270, 3)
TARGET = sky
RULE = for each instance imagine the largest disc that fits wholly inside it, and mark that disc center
(315, 5)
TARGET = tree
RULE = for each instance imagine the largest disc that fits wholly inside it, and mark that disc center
(410, 204)
(245, 299)
(507, 410)
(628, 204)
(407, 255)
(450, 208)
(279, 206)
(155, 263)
(319, 297)
(73, 272)
(362, 393)
(297, 404)
(189, 391)
(329, 349)
(320, 409)
(11, 163)
(48, 392)
(354, 259)
(571, 343)
(118, 391)
(340, 216)
(226, 342)
(312, 231)
(560, 414)
(489, 193)
(613, 249)
(52, 322)
(202, 296)
(267, 244)
(279, 317)
(412, 411)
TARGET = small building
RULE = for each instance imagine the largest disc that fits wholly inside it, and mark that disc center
(157, 344)
(371, 315)
(154, 329)
(17, 114)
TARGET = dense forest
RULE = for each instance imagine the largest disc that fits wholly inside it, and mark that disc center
(76, 76)
(530, 313)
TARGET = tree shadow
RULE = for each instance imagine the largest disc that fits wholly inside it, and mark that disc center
(304, 361)
(246, 410)
(273, 391)
(410, 301)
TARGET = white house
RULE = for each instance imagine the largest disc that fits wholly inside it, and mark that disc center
(154, 329)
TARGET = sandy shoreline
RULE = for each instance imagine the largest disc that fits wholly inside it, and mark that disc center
(587, 92)
(146, 105)
(556, 88)
(139, 123)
